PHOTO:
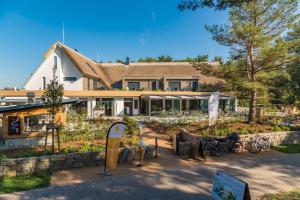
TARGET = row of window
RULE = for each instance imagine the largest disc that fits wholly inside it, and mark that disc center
(172, 85)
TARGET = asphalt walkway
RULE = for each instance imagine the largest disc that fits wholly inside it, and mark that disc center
(171, 177)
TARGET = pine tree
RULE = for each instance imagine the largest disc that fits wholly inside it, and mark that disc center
(255, 35)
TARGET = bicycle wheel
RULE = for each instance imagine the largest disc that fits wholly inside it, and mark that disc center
(222, 149)
(266, 146)
(254, 148)
(238, 147)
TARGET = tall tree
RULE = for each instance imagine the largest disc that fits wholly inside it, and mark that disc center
(293, 69)
(255, 35)
(217, 4)
(52, 98)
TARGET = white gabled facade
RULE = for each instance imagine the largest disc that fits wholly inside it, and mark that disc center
(65, 69)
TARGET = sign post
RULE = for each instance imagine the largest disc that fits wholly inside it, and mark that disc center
(113, 139)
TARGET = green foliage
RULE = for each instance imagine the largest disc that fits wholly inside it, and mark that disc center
(216, 4)
(78, 128)
(84, 148)
(132, 127)
(2, 156)
(199, 58)
(288, 148)
(218, 59)
(24, 182)
(259, 49)
(53, 95)
(161, 58)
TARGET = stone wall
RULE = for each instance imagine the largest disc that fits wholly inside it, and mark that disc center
(276, 138)
(22, 166)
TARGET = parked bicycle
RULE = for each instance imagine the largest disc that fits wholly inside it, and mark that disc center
(214, 147)
(258, 143)
(234, 143)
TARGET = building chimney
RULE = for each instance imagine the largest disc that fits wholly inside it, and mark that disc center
(127, 62)
(30, 97)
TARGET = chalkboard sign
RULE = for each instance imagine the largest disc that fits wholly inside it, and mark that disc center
(197, 151)
(228, 187)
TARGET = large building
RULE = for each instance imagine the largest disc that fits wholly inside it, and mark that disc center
(129, 88)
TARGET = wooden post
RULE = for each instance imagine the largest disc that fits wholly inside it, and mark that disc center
(52, 139)
(58, 140)
(149, 107)
(156, 146)
(46, 140)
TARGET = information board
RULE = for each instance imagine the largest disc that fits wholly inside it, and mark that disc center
(229, 188)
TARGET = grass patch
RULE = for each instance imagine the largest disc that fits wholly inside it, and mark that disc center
(292, 195)
(288, 148)
(24, 182)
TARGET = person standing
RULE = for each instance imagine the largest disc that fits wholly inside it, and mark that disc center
(141, 146)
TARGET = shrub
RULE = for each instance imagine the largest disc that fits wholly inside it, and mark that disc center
(132, 127)
(79, 129)
(2, 156)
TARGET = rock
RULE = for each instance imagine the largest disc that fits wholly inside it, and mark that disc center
(8, 162)
(73, 155)
(22, 160)
(33, 159)
(44, 158)
(57, 157)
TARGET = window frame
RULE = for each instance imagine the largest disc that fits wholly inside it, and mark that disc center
(174, 82)
(70, 78)
(133, 82)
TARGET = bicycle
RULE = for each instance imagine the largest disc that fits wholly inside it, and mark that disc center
(214, 147)
(255, 145)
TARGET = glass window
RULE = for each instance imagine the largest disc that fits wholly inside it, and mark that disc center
(117, 85)
(204, 105)
(172, 104)
(174, 86)
(133, 85)
(183, 103)
(168, 104)
(194, 104)
(70, 78)
(136, 104)
(194, 86)
(231, 105)
(14, 125)
(36, 122)
(153, 85)
(156, 106)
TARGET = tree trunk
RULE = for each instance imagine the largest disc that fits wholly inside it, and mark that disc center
(252, 108)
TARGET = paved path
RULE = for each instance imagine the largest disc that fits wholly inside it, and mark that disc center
(171, 177)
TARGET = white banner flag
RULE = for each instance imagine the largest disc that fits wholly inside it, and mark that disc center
(213, 104)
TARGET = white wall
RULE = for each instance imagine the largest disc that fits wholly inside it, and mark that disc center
(65, 68)
(118, 107)
(70, 70)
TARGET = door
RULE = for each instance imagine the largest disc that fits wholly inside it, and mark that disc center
(108, 106)
(128, 106)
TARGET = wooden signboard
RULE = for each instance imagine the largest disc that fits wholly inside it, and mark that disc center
(197, 151)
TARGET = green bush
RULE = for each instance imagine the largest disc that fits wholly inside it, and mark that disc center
(132, 127)
(2, 156)
(79, 129)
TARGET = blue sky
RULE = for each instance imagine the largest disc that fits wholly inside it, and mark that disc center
(112, 29)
